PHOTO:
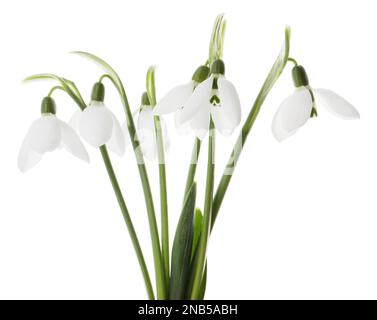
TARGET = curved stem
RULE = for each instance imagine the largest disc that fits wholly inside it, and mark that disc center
(53, 89)
(207, 218)
(105, 76)
(127, 219)
(293, 61)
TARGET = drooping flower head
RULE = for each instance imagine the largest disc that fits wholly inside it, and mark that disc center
(214, 98)
(302, 105)
(98, 125)
(175, 99)
(209, 94)
(47, 134)
(146, 129)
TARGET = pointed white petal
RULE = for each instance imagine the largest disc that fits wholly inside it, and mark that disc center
(72, 142)
(229, 100)
(44, 134)
(96, 125)
(117, 142)
(222, 123)
(165, 135)
(182, 128)
(277, 128)
(126, 134)
(336, 104)
(294, 111)
(27, 158)
(200, 122)
(227, 115)
(199, 98)
(146, 133)
(75, 120)
(174, 99)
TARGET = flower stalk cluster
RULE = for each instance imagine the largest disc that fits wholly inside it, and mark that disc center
(207, 104)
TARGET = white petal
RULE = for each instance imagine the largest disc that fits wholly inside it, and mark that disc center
(165, 135)
(182, 128)
(277, 128)
(96, 125)
(44, 134)
(200, 122)
(293, 112)
(336, 104)
(126, 134)
(174, 99)
(75, 120)
(72, 142)
(146, 132)
(222, 123)
(199, 98)
(27, 158)
(117, 142)
(227, 115)
(229, 100)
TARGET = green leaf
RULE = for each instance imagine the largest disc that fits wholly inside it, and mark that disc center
(182, 247)
(198, 226)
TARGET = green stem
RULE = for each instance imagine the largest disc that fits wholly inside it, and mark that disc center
(157, 256)
(53, 89)
(163, 199)
(127, 219)
(294, 61)
(274, 74)
(235, 155)
(207, 217)
(71, 89)
(151, 91)
(192, 166)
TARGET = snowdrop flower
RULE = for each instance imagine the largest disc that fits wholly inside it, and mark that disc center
(47, 134)
(214, 98)
(176, 98)
(296, 110)
(146, 129)
(98, 125)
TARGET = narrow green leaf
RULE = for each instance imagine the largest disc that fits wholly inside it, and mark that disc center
(198, 226)
(182, 247)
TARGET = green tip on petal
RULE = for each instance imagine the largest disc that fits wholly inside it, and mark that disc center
(201, 74)
(98, 92)
(48, 106)
(218, 67)
(145, 99)
(300, 78)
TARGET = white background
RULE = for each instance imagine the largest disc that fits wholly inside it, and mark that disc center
(299, 219)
